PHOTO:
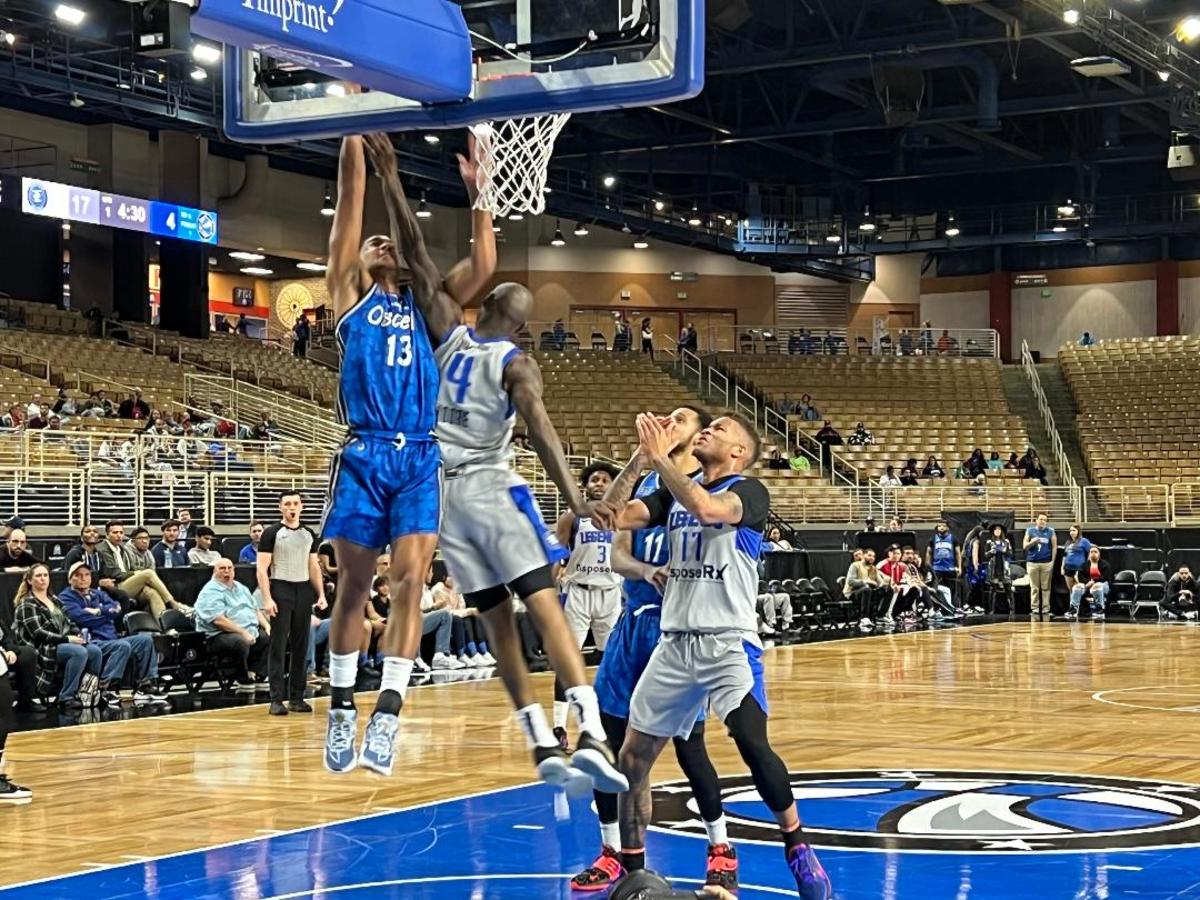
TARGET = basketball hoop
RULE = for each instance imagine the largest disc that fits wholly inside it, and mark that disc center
(514, 156)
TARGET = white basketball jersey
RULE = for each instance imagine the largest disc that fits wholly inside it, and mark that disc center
(591, 557)
(712, 583)
(474, 413)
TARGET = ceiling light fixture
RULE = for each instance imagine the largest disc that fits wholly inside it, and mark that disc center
(495, 229)
(1071, 15)
(327, 208)
(256, 270)
(1188, 29)
(69, 15)
(558, 240)
(1066, 210)
(659, 205)
(868, 224)
(695, 220)
(515, 216)
(640, 244)
(76, 102)
(311, 266)
(10, 38)
(432, 139)
(423, 210)
(833, 238)
(245, 256)
(581, 230)
(625, 229)
(952, 228)
(199, 74)
(206, 54)
(1164, 76)
(1060, 229)
(610, 181)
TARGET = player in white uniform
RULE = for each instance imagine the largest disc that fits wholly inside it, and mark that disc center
(591, 589)
(493, 538)
(709, 652)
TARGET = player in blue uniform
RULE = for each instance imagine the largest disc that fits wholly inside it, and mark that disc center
(385, 482)
(641, 557)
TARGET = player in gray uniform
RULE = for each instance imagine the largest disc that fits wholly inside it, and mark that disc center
(493, 538)
(709, 651)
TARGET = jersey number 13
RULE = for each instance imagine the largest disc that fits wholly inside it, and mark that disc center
(403, 343)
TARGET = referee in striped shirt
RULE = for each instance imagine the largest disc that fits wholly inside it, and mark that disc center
(290, 581)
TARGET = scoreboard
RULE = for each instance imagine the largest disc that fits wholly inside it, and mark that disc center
(39, 197)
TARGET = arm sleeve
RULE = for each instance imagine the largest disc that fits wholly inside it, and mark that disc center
(658, 504)
(756, 503)
(266, 543)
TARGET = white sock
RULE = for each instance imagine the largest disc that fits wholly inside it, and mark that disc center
(716, 832)
(587, 710)
(610, 834)
(343, 669)
(560, 713)
(396, 672)
(536, 728)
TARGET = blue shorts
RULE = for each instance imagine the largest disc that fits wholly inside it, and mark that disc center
(379, 492)
(628, 651)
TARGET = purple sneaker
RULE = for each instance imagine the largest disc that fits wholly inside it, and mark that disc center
(811, 881)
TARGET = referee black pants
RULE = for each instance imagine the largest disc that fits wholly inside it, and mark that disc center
(289, 631)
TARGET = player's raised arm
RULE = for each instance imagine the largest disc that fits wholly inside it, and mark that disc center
(657, 441)
(344, 273)
(440, 313)
(615, 512)
(467, 279)
(523, 380)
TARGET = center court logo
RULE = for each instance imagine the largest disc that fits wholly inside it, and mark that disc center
(311, 16)
(950, 811)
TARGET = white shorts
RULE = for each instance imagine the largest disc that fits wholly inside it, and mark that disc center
(595, 608)
(688, 670)
(492, 530)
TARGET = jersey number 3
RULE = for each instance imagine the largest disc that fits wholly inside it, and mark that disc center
(458, 373)
(404, 343)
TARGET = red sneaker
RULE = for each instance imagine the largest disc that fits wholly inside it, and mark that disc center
(601, 874)
(722, 867)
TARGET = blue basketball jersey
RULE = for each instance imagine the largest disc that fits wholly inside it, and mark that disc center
(650, 546)
(389, 380)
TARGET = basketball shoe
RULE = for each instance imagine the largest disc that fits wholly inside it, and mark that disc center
(722, 867)
(601, 874)
(811, 881)
(379, 743)
(340, 735)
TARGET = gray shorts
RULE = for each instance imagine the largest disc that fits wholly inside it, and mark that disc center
(688, 670)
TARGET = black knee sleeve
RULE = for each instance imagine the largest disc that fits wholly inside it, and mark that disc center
(487, 599)
(748, 726)
(694, 760)
(560, 693)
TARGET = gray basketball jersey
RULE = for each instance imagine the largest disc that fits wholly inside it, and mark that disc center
(591, 556)
(474, 413)
(712, 583)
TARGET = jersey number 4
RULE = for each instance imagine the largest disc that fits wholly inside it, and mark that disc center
(458, 373)
(404, 343)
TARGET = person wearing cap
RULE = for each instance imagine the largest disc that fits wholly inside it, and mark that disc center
(237, 628)
(203, 553)
(14, 554)
(93, 609)
(14, 522)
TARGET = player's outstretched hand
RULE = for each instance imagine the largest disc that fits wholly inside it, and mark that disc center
(382, 153)
(604, 513)
(468, 167)
(656, 440)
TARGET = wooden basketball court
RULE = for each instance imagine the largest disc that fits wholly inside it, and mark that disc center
(1051, 699)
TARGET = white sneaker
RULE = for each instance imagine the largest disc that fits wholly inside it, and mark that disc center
(468, 662)
(488, 659)
(444, 661)
(865, 623)
(1190, 615)
(885, 619)
(419, 665)
(766, 629)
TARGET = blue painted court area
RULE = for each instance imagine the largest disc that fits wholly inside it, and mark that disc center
(924, 834)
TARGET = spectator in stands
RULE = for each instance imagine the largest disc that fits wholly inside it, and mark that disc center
(869, 524)
(975, 464)
(1033, 467)
(9, 524)
(98, 405)
(327, 560)
(933, 469)
(798, 462)
(927, 338)
(15, 418)
(440, 623)
(178, 615)
(774, 604)
(775, 459)
(170, 553)
(895, 523)
(91, 609)
(1094, 579)
(301, 332)
(888, 479)
(828, 437)
(806, 409)
(1075, 554)
(64, 405)
(864, 586)
(469, 636)
(203, 553)
(63, 656)
(785, 406)
(15, 555)
(1041, 549)
(134, 407)
(693, 338)
(187, 528)
(944, 556)
(833, 344)
(995, 463)
(21, 660)
(238, 631)
(775, 541)
(88, 551)
(1179, 601)
(249, 553)
(139, 583)
(221, 325)
(242, 327)
(265, 429)
(34, 406)
(377, 611)
(1014, 462)
(909, 473)
(905, 592)
(648, 338)
(861, 437)
(906, 342)
(40, 420)
(993, 557)
(1087, 339)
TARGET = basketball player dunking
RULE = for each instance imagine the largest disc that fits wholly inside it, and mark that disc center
(641, 557)
(709, 652)
(493, 538)
(385, 479)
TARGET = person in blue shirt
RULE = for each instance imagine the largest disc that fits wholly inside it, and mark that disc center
(92, 609)
(1075, 554)
(944, 557)
(1087, 339)
(170, 552)
(237, 628)
(1041, 546)
(249, 554)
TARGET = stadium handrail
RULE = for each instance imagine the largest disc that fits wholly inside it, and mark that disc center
(1143, 504)
(26, 355)
(1056, 444)
(297, 419)
(773, 339)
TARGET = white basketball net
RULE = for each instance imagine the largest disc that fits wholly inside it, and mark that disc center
(514, 155)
